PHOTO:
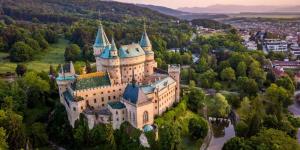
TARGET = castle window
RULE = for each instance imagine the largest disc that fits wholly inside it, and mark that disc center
(119, 89)
(95, 101)
(81, 108)
(74, 109)
(101, 92)
(102, 105)
(116, 112)
(86, 95)
(108, 97)
(114, 97)
(123, 119)
(117, 119)
(108, 91)
(123, 112)
(102, 98)
(114, 90)
(145, 117)
(94, 94)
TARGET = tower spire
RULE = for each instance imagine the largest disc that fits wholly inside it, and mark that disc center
(101, 38)
(145, 42)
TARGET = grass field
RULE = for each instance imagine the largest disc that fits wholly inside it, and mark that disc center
(53, 55)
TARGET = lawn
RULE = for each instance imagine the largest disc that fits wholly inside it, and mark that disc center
(53, 55)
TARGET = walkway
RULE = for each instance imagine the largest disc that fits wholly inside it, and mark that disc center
(217, 143)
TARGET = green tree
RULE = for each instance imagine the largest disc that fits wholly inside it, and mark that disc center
(38, 134)
(247, 86)
(3, 137)
(196, 99)
(241, 129)
(236, 143)
(169, 138)
(21, 52)
(198, 128)
(241, 69)
(228, 74)
(277, 98)
(219, 106)
(72, 52)
(273, 139)
(287, 83)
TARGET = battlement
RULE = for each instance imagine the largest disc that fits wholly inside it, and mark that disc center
(174, 68)
(100, 88)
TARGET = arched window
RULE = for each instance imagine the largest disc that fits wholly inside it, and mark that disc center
(145, 117)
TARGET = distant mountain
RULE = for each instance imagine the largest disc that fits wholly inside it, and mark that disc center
(227, 9)
(183, 14)
(68, 11)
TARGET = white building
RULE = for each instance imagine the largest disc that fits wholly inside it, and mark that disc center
(275, 45)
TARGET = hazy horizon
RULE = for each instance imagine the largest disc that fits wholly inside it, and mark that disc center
(204, 3)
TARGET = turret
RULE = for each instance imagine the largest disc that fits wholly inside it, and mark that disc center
(101, 40)
(145, 42)
(174, 72)
(113, 49)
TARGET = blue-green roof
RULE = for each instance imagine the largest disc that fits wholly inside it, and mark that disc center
(145, 42)
(68, 96)
(116, 105)
(148, 128)
(101, 38)
(132, 50)
(65, 78)
(106, 52)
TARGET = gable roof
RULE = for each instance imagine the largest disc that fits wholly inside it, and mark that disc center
(91, 80)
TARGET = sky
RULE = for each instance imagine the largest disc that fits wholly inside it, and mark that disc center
(204, 3)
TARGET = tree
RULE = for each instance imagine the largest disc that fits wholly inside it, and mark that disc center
(88, 67)
(277, 98)
(228, 74)
(81, 131)
(38, 134)
(219, 106)
(256, 72)
(12, 123)
(3, 137)
(273, 139)
(21, 69)
(21, 52)
(287, 83)
(198, 128)
(72, 52)
(169, 138)
(241, 129)
(207, 78)
(236, 143)
(196, 99)
(59, 128)
(241, 69)
(247, 86)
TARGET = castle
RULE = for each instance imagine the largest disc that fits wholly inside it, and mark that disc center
(126, 87)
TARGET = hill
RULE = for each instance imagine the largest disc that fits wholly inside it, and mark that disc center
(183, 14)
(240, 8)
(68, 11)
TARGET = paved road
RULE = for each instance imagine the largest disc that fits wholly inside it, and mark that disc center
(217, 143)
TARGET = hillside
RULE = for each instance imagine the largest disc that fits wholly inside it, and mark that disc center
(239, 8)
(182, 14)
(68, 11)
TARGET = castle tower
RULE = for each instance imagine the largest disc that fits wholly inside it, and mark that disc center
(174, 72)
(101, 42)
(147, 47)
(114, 63)
(145, 42)
(65, 76)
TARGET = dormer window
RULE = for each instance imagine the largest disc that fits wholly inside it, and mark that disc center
(137, 49)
